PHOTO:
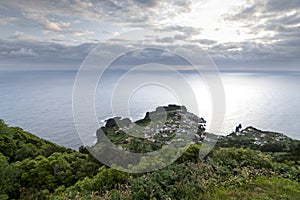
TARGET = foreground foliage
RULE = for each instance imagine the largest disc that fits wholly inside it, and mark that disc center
(31, 167)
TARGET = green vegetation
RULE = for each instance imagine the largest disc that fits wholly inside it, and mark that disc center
(31, 168)
(158, 128)
(259, 188)
(278, 145)
(238, 168)
(246, 174)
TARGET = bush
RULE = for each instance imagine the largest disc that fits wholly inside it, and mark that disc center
(242, 158)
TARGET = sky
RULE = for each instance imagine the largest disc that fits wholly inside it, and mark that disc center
(236, 34)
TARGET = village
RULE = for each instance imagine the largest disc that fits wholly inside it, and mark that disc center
(259, 138)
(156, 129)
(171, 124)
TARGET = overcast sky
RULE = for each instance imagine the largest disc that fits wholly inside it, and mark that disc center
(237, 34)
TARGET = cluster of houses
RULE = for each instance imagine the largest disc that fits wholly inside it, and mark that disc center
(259, 138)
(186, 126)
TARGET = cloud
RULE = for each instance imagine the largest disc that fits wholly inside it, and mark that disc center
(82, 18)
(206, 42)
(149, 3)
(81, 33)
(275, 29)
(148, 55)
(281, 6)
(272, 28)
(35, 52)
(176, 33)
(275, 12)
(118, 11)
(186, 30)
(22, 52)
(226, 55)
(60, 27)
(46, 23)
(165, 40)
(6, 20)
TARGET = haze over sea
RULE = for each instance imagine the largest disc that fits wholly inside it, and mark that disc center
(41, 102)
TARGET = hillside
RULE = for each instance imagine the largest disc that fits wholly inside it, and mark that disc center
(239, 167)
(32, 168)
(156, 129)
(278, 145)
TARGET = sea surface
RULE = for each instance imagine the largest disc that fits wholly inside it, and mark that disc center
(41, 102)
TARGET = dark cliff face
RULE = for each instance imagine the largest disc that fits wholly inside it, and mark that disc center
(157, 114)
(160, 112)
(117, 121)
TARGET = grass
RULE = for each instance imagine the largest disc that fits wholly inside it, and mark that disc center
(262, 188)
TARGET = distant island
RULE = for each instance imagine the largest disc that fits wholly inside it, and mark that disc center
(246, 164)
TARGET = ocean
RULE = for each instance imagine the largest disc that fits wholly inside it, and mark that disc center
(41, 102)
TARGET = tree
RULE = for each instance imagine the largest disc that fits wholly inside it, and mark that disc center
(8, 179)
